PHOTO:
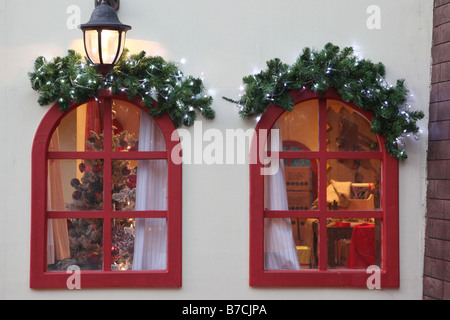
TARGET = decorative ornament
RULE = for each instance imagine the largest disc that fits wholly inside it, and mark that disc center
(72, 78)
(75, 183)
(360, 82)
(131, 181)
(76, 195)
(115, 254)
(94, 260)
(122, 239)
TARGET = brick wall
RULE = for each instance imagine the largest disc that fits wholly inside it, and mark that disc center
(436, 280)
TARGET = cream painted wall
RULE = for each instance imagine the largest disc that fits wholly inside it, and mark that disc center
(225, 40)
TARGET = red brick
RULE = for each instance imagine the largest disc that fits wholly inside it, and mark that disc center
(434, 268)
(438, 150)
(439, 130)
(442, 14)
(440, 72)
(438, 229)
(441, 34)
(439, 170)
(438, 3)
(440, 111)
(440, 91)
(441, 53)
(438, 209)
(433, 288)
(446, 291)
(439, 189)
(436, 280)
(434, 248)
(438, 269)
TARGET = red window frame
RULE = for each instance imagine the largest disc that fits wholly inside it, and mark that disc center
(322, 277)
(39, 277)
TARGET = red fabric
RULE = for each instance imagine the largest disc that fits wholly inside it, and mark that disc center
(93, 121)
(362, 248)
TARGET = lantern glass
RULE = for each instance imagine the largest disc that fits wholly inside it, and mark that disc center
(104, 46)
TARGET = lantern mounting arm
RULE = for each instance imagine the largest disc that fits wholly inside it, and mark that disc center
(115, 4)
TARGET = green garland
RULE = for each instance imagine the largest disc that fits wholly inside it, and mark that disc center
(358, 81)
(72, 78)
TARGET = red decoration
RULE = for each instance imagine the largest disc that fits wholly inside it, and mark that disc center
(131, 181)
(94, 260)
(122, 239)
(76, 195)
(115, 254)
(362, 248)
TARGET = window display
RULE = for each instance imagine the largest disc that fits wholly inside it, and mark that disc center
(326, 208)
(108, 189)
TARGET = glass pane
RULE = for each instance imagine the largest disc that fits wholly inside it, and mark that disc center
(75, 242)
(122, 251)
(75, 185)
(91, 42)
(122, 46)
(354, 243)
(300, 127)
(139, 244)
(80, 130)
(348, 130)
(110, 44)
(139, 185)
(354, 184)
(301, 183)
(291, 244)
(130, 123)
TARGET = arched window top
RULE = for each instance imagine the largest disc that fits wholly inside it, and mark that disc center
(338, 116)
(347, 129)
(79, 127)
(106, 196)
(55, 117)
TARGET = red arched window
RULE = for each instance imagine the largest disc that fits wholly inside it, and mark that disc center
(106, 197)
(324, 197)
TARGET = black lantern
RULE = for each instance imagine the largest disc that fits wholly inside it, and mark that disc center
(104, 37)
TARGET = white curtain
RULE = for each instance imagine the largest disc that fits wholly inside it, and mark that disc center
(280, 252)
(150, 249)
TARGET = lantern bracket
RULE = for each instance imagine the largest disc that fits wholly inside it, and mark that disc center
(115, 4)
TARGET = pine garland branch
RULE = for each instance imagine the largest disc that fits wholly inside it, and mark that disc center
(358, 81)
(73, 78)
